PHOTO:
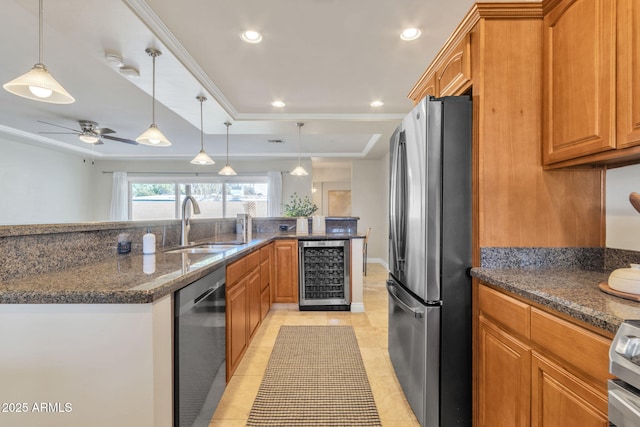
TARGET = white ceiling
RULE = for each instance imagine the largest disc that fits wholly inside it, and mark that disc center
(327, 59)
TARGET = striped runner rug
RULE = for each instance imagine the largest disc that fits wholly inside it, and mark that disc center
(315, 377)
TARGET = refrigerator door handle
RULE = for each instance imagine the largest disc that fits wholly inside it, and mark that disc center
(399, 202)
(417, 313)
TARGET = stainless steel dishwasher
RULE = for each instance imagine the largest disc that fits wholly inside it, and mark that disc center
(199, 350)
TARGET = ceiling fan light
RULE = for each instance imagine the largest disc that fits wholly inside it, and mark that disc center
(299, 171)
(153, 137)
(39, 85)
(89, 139)
(202, 158)
(227, 170)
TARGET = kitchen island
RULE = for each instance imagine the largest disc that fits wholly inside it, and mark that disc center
(92, 343)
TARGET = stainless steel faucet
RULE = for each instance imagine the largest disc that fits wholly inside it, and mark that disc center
(186, 226)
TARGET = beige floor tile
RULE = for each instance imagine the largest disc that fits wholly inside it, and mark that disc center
(238, 398)
(228, 423)
(390, 401)
(254, 361)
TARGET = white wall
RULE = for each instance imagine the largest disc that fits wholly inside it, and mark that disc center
(369, 193)
(40, 185)
(623, 221)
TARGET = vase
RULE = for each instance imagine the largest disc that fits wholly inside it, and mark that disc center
(302, 225)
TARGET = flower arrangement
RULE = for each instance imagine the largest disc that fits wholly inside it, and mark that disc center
(298, 207)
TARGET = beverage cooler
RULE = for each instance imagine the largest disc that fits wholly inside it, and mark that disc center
(324, 275)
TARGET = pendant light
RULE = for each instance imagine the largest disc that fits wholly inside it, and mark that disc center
(299, 171)
(38, 84)
(153, 136)
(202, 158)
(227, 170)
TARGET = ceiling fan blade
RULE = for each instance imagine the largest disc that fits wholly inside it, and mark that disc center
(63, 127)
(59, 133)
(115, 138)
(102, 131)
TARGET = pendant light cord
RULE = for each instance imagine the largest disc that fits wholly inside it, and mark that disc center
(40, 34)
(227, 124)
(201, 98)
(153, 90)
(299, 140)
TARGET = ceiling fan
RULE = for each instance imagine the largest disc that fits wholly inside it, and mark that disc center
(90, 133)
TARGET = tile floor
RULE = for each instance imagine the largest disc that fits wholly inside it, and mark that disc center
(371, 331)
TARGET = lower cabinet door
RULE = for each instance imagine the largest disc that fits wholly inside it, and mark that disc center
(265, 302)
(255, 302)
(561, 399)
(504, 378)
(237, 321)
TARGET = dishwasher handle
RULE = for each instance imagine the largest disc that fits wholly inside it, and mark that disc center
(417, 312)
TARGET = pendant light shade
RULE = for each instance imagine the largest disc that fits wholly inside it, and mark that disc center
(153, 136)
(202, 158)
(299, 170)
(38, 84)
(227, 169)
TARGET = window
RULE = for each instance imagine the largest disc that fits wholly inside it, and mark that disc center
(155, 197)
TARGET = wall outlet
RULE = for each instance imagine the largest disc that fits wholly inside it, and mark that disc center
(283, 227)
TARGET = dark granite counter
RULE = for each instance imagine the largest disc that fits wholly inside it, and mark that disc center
(133, 278)
(574, 292)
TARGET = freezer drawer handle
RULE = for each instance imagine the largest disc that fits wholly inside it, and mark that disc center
(417, 313)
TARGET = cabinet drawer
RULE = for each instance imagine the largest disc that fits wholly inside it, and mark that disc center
(253, 260)
(504, 310)
(581, 348)
(236, 270)
(265, 253)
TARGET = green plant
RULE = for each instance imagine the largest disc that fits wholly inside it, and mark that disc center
(299, 207)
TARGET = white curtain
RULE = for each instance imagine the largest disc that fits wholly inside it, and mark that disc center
(274, 207)
(119, 198)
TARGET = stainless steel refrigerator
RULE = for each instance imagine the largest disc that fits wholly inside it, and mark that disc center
(429, 259)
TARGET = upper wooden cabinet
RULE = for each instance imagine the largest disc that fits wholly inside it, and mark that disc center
(628, 73)
(449, 75)
(454, 75)
(590, 47)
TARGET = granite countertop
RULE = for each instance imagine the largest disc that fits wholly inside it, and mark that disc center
(123, 279)
(570, 291)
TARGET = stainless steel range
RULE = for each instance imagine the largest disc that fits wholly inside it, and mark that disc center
(624, 363)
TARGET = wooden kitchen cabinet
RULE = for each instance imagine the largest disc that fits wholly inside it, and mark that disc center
(285, 285)
(243, 307)
(266, 260)
(534, 368)
(237, 322)
(591, 108)
(453, 77)
(560, 399)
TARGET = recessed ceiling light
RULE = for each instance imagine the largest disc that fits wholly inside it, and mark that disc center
(251, 36)
(376, 103)
(410, 34)
(278, 104)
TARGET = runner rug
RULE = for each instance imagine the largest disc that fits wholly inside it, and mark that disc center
(315, 377)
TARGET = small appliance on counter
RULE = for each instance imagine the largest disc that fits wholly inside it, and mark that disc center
(624, 363)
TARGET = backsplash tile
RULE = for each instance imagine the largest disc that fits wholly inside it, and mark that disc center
(582, 258)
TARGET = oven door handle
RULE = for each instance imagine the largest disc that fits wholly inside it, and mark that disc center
(624, 402)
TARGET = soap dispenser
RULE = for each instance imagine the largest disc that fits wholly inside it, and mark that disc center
(149, 243)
